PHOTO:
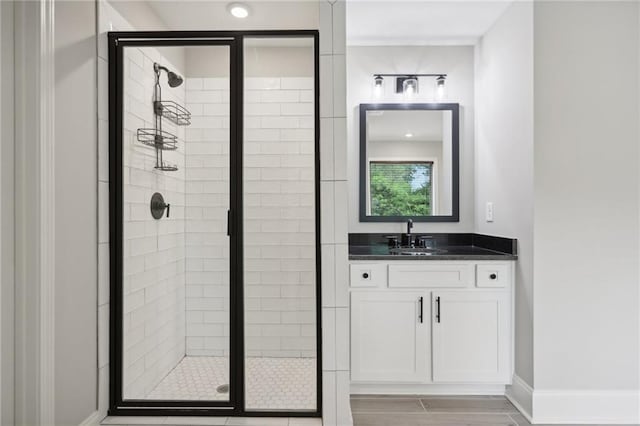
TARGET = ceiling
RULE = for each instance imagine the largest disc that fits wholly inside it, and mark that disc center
(213, 14)
(420, 22)
(369, 22)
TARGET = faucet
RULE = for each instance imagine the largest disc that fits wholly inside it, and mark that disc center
(409, 240)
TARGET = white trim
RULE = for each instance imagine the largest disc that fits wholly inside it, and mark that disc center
(574, 406)
(521, 396)
(425, 389)
(47, 215)
(94, 419)
(586, 407)
(35, 212)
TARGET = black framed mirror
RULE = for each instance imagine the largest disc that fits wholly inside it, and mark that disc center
(409, 162)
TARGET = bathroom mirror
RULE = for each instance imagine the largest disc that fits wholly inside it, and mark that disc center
(409, 162)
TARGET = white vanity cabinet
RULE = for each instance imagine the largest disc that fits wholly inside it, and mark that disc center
(470, 337)
(431, 323)
(390, 344)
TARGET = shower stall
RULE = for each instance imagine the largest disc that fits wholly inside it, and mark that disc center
(214, 228)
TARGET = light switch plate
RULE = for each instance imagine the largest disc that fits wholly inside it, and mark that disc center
(489, 211)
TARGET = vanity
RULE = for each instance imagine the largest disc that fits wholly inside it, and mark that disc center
(431, 313)
(439, 322)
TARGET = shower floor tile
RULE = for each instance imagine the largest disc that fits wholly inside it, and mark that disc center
(271, 383)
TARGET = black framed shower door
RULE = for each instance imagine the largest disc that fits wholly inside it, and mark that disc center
(236, 403)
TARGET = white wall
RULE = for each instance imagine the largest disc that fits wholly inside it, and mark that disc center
(458, 63)
(75, 219)
(586, 245)
(504, 155)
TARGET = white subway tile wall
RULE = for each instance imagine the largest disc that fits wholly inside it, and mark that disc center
(154, 251)
(208, 192)
(279, 217)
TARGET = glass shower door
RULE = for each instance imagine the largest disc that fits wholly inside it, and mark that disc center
(280, 233)
(214, 204)
(176, 197)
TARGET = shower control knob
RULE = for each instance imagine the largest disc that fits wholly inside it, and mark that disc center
(158, 206)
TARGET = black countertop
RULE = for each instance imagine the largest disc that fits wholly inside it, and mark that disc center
(447, 247)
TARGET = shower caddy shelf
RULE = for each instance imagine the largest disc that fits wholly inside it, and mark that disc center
(173, 112)
(160, 139)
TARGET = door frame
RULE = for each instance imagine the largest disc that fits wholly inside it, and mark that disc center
(236, 404)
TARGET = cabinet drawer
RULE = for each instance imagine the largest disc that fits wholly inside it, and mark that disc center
(493, 275)
(368, 275)
(431, 275)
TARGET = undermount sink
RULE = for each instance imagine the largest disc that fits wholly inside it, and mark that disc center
(418, 251)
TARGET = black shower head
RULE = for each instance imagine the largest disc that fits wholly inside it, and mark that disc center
(174, 79)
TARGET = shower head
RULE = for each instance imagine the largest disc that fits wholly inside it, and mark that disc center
(173, 79)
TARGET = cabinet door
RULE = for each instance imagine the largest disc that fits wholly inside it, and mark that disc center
(470, 337)
(389, 336)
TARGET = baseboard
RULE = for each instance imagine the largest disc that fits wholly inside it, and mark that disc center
(425, 389)
(94, 419)
(586, 407)
(521, 396)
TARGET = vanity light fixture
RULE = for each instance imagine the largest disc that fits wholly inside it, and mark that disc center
(239, 10)
(408, 83)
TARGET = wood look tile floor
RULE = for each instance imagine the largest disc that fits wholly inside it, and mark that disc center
(436, 410)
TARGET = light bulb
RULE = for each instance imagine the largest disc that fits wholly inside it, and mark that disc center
(378, 86)
(440, 87)
(408, 135)
(410, 86)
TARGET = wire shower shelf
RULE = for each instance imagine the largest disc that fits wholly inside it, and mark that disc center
(158, 139)
(166, 167)
(173, 112)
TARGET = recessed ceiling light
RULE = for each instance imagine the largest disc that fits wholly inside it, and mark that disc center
(408, 135)
(238, 10)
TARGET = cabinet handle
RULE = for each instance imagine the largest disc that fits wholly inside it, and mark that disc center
(493, 276)
(421, 300)
(365, 275)
(438, 309)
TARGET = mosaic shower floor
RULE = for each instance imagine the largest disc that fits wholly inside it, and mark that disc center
(271, 383)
